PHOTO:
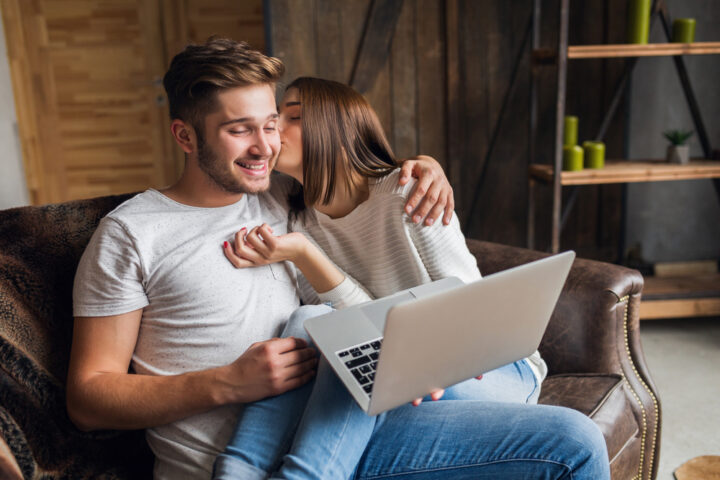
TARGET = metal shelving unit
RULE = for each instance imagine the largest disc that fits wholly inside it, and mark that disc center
(616, 171)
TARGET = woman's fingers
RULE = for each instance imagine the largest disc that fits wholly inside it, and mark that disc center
(435, 395)
(257, 242)
(236, 260)
(245, 250)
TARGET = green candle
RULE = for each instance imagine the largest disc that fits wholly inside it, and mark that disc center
(683, 30)
(594, 154)
(639, 21)
(572, 158)
(570, 133)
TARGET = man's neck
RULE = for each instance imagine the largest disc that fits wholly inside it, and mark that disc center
(200, 192)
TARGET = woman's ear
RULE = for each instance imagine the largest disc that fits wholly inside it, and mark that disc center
(183, 134)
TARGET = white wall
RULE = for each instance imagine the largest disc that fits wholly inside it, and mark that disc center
(13, 189)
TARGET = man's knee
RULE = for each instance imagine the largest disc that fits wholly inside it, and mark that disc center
(294, 327)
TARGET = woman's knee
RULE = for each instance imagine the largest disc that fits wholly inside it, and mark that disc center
(294, 326)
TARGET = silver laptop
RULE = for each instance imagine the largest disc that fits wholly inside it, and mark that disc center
(390, 351)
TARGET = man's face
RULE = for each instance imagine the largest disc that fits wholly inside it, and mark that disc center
(239, 147)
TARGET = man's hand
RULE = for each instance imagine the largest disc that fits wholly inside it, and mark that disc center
(270, 368)
(432, 194)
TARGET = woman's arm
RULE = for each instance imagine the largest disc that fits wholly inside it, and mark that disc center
(260, 247)
(330, 284)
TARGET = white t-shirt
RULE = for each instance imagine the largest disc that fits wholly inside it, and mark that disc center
(199, 311)
(383, 251)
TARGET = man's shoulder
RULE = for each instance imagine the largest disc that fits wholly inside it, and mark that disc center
(141, 203)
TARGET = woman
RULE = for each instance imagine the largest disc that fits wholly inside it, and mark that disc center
(352, 243)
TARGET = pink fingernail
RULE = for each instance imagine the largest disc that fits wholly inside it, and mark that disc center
(225, 244)
(430, 221)
(416, 219)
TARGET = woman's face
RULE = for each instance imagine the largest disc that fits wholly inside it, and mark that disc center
(290, 158)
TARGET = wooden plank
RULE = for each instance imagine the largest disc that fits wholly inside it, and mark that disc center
(647, 50)
(429, 26)
(619, 171)
(702, 307)
(329, 40)
(375, 46)
(403, 134)
(455, 132)
(705, 285)
(24, 100)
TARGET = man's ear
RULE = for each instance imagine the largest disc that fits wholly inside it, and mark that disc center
(184, 135)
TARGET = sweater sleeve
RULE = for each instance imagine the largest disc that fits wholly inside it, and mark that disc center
(443, 250)
(349, 292)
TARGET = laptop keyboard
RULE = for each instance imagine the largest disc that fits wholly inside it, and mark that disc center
(361, 360)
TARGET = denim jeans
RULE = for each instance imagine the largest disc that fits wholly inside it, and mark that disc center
(489, 428)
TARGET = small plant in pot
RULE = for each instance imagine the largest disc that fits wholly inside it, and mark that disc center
(677, 151)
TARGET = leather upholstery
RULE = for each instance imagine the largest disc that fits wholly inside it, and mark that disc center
(592, 348)
(595, 359)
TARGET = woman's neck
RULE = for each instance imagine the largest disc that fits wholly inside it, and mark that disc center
(345, 201)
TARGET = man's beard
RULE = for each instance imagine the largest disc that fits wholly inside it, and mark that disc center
(217, 171)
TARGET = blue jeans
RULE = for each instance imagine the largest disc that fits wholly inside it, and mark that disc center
(487, 428)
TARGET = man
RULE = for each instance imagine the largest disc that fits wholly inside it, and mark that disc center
(155, 294)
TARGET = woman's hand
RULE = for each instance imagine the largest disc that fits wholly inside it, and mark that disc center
(432, 194)
(260, 247)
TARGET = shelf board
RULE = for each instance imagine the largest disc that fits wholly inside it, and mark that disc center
(625, 171)
(643, 50)
(676, 297)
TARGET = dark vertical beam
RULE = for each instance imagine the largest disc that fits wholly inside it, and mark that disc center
(532, 134)
(498, 124)
(559, 124)
(687, 87)
(375, 46)
(455, 126)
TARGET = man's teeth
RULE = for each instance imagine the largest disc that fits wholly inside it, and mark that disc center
(252, 166)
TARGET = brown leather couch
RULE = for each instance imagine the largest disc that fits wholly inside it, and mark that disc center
(592, 347)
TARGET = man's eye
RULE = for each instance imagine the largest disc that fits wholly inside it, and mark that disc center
(269, 129)
(238, 132)
(294, 118)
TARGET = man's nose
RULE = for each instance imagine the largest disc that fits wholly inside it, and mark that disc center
(262, 145)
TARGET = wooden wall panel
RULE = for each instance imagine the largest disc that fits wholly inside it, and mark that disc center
(447, 77)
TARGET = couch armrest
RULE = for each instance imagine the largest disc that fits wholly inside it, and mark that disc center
(594, 329)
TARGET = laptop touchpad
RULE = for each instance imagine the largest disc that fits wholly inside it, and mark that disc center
(377, 311)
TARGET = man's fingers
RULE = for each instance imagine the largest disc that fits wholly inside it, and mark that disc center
(431, 198)
(297, 382)
(479, 377)
(437, 394)
(436, 211)
(416, 196)
(406, 171)
(287, 344)
(417, 402)
(449, 207)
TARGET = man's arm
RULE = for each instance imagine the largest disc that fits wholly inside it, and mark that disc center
(432, 195)
(101, 394)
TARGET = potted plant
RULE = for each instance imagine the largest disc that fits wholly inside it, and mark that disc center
(677, 151)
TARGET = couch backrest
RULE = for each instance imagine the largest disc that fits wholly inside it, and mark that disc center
(40, 248)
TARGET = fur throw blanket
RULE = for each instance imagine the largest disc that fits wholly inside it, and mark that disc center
(39, 251)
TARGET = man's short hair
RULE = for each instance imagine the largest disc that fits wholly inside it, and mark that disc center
(199, 72)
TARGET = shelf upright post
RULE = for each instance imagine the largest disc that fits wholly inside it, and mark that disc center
(559, 122)
(532, 140)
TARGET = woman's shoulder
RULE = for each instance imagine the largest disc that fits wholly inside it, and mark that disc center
(389, 184)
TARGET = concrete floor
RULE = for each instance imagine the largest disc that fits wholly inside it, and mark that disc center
(683, 356)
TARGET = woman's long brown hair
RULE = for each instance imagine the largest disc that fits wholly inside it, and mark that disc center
(341, 135)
